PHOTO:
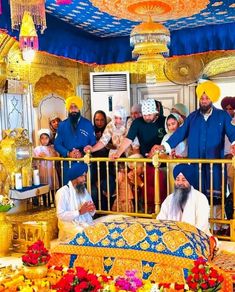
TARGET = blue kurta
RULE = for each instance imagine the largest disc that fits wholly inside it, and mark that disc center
(68, 138)
(206, 140)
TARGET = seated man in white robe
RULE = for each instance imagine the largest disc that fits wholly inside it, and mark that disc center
(74, 205)
(186, 204)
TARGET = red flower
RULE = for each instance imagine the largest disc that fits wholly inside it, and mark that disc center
(204, 285)
(81, 272)
(202, 277)
(179, 286)
(81, 286)
(211, 283)
(192, 285)
(36, 255)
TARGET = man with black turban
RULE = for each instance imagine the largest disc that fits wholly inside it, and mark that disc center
(186, 204)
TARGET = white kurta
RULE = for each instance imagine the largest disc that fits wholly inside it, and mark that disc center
(196, 211)
(68, 203)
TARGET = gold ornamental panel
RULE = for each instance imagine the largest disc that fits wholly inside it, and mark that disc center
(140, 10)
(220, 65)
(49, 84)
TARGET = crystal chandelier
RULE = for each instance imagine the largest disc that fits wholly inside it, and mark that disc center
(36, 9)
(150, 39)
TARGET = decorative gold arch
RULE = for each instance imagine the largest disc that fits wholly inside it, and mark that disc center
(49, 84)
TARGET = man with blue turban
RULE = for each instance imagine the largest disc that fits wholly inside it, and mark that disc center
(74, 205)
(186, 204)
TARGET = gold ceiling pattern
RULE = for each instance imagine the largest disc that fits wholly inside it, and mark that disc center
(160, 10)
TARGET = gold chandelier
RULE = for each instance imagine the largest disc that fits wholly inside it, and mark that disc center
(150, 41)
(36, 8)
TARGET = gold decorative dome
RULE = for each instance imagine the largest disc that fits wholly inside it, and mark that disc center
(151, 28)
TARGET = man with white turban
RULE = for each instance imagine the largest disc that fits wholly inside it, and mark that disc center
(74, 133)
(149, 129)
(205, 131)
(186, 204)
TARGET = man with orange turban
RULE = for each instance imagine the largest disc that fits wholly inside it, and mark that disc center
(74, 133)
(205, 131)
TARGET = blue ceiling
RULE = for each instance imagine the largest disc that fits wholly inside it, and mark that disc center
(83, 15)
(81, 32)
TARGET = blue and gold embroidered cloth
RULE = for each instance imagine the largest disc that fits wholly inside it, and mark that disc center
(158, 250)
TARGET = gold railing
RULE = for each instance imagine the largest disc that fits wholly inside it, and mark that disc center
(156, 161)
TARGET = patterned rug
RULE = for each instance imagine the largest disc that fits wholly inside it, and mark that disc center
(226, 261)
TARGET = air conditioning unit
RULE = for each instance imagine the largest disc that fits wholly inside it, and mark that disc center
(109, 89)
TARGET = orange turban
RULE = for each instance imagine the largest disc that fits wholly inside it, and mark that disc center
(210, 89)
(75, 100)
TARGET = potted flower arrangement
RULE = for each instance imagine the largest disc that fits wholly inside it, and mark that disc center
(202, 277)
(5, 226)
(5, 203)
(35, 260)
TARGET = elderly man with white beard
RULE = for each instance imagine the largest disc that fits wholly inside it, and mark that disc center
(186, 204)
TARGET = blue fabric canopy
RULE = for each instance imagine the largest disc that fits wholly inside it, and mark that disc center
(63, 39)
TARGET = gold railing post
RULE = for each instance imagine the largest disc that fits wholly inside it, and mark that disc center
(156, 164)
(87, 159)
(233, 164)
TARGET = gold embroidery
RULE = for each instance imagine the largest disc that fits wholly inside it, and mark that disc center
(188, 251)
(105, 242)
(187, 227)
(154, 237)
(94, 264)
(120, 243)
(160, 247)
(96, 232)
(174, 239)
(80, 240)
(134, 234)
(144, 245)
(108, 262)
(149, 227)
(147, 269)
(162, 272)
(120, 266)
(115, 235)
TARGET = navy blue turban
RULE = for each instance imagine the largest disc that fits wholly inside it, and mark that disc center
(76, 170)
(188, 171)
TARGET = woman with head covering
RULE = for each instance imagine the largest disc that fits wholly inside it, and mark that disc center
(180, 109)
(54, 121)
(172, 123)
(115, 132)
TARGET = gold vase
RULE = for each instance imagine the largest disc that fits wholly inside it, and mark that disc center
(36, 272)
(5, 234)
